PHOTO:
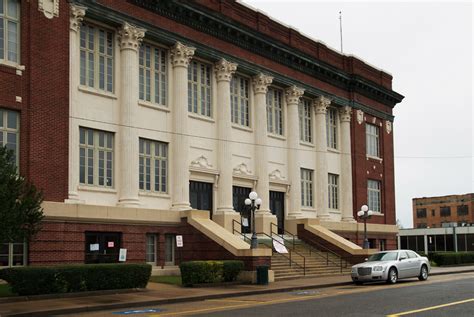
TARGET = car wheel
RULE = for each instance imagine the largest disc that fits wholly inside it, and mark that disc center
(392, 276)
(423, 273)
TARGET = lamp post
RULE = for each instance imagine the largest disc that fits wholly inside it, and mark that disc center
(254, 202)
(365, 214)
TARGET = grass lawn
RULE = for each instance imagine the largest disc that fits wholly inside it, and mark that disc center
(5, 290)
(166, 279)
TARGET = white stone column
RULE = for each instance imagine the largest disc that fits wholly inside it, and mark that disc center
(263, 217)
(321, 104)
(181, 55)
(130, 38)
(346, 165)
(293, 95)
(76, 15)
(225, 213)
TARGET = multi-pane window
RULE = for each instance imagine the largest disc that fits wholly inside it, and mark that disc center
(306, 188)
(12, 254)
(152, 74)
(199, 88)
(421, 213)
(445, 211)
(374, 195)
(372, 140)
(10, 31)
(333, 191)
(463, 210)
(305, 120)
(153, 166)
(151, 248)
(331, 128)
(96, 157)
(239, 100)
(9, 131)
(274, 111)
(97, 58)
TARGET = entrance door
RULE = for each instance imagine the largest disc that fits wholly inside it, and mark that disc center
(277, 206)
(200, 196)
(239, 194)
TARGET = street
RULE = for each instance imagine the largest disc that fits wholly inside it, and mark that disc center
(443, 295)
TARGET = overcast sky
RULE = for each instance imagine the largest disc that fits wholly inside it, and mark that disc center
(427, 46)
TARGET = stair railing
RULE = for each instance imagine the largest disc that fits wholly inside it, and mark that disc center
(289, 257)
(321, 248)
(293, 243)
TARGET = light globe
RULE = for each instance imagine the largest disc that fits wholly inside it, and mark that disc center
(360, 213)
(248, 202)
(364, 208)
(253, 195)
(370, 212)
(258, 201)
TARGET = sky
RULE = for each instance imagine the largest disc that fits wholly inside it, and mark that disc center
(428, 48)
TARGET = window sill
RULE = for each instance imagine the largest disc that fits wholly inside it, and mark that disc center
(276, 136)
(304, 143)
(154, 106)
(19, 68)
(97, 92)
(336, 151)
(200, 117)
(376, 213)
(241, 127)
(96, 189)
(153, 194)
(312, 209)
(378, 159)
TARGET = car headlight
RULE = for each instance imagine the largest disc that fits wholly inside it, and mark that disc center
(378, 268)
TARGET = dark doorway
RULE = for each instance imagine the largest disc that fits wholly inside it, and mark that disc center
(239, 194)
(102, 247)
(200, 196)
(277, 206)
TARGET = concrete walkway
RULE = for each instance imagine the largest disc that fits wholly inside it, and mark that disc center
(156, 294)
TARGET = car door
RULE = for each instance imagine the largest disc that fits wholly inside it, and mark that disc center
(415, 263)
(403, 265)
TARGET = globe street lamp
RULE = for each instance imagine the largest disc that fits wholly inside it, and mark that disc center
(365, 214)
(254, 202)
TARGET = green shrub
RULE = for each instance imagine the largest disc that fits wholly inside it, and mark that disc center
(453, 258)
(76, 278)
(202, 272)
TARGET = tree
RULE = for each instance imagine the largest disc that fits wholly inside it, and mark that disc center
(20, 202)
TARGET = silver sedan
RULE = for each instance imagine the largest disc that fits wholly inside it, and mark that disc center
(390, 266)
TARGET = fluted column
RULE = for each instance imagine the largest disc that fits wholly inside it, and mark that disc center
(346, 165)
(293, 95)
(321, 104)
(76, 15)
(181, 55)
(130, 38)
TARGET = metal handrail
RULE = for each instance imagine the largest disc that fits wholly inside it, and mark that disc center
(281, 235)
(290, 252)
(240, 232)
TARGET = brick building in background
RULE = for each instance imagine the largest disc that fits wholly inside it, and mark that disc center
(443, 211)
(128, 114)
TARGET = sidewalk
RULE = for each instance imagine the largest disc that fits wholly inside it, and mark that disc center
(159, 294)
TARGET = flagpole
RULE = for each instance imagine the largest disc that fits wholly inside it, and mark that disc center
(340, 28)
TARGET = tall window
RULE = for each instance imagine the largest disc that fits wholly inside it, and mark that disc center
(463, 210)
(151, 248)
(372, 140)
(153, 166)
(10, 131)
(331, 128)
(274, 111)
(12, 254)
(445, 211)
(10, 31)
(305, 120)
(239, 100)
(333, 191)
(199, 88)
(96, 157)
(421, 213)
(152, 74)
(306, 188)
(97, 58)
(373, 195)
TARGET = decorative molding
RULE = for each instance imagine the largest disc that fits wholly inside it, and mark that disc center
(224, 70)
(321, 104)
(360, 116)
(130, 36)
(76, 15)
(345, 114)
(276, 175)
(181, 54)
(293, 95)
(201, 162)
(242, 169)
(50, 8)
(388, 126)
(261, 83)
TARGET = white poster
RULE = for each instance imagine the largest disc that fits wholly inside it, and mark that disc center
(179, 241)
(279, 244)
(94, 247)
(123, 255)
(245, 222)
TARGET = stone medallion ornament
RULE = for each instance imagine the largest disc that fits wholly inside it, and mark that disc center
(360, 116)
(388, 126)
(50, 8)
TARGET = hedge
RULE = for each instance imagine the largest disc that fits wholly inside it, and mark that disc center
(75, 278)
(452, 258)
(202, 272)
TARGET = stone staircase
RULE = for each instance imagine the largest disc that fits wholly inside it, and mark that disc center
(317, 263)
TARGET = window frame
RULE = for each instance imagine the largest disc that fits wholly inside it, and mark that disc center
(154, 253)
(7, 19)
(153, 158)
(462, 210)
(421, 213)
(275, 111)
(332, 128)
(156, 52)
(240, 104)
(305, 114)
(196, 103)
(307, 187)
(374, 201)
(445, 211)
(372, 140)
(10, 255)
(5, 130)
(333, 191)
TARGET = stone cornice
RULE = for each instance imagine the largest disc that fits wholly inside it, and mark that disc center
(77, 13)
(321, 105)
(181, 55)
(130, 36)
(261, 83)
(293, 95)
(224, 70)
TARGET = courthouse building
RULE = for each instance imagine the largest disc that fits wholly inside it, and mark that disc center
(131, 115)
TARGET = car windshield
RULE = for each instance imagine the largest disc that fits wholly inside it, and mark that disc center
(383, 256)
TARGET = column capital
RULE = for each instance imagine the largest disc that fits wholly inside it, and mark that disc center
(345, 114)
(224, 70)
(293, 95)
(181, 54)
(321, 104)
(261, 83)
(76, 14)
(130, 36)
